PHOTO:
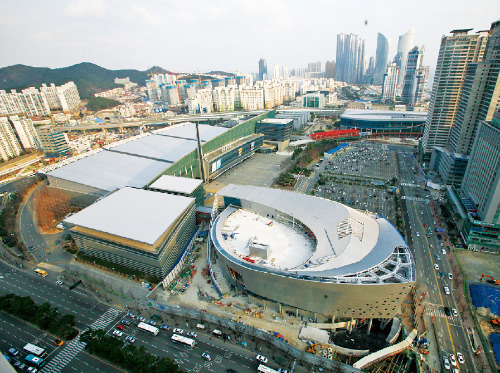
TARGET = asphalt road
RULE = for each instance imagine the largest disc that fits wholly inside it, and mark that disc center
(90, 312)
(449, 330)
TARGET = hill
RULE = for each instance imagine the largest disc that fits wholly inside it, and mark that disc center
(89, 78)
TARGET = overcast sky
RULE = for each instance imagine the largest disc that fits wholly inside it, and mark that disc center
(224, 35)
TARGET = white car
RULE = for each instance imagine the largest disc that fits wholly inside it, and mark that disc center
(446, 363)
(454, 312)
(206, 356)
(262, 359)
(450, 276)
(436, 267)
(178, 331)
(59, 282)
(192, 334)
(32, 370)
(453, 360)
(117, 333)
(447, 290)
(441, 244)
(460, 358)
(443, 251)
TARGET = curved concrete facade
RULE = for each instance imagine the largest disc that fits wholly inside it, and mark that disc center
(330, 288)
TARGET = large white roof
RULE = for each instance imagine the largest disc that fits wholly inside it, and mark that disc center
(335, 254)
(384, 115)
(136, 214)
(109, 171)
(176, 184)
(138, 160)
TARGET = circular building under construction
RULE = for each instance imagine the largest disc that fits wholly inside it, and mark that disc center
(310, 253)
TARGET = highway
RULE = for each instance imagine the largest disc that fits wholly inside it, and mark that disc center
(421, 227)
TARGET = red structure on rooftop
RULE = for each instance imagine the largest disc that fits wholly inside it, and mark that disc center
(337, 134)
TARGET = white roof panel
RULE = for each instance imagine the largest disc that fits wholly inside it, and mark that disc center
(109, 171)
(188, 131)
(169, 149)
(137, 214)
(176, 184)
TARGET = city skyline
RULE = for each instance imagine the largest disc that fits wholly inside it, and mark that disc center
(104, 33)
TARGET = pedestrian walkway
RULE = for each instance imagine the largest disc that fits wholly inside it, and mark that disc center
(73, 348)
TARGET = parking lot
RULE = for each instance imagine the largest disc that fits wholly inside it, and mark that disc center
(361, 177)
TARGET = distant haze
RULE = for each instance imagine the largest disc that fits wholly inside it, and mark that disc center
(223, 35)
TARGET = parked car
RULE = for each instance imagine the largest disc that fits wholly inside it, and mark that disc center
(165, 327)
(452, 359)
(140, 318)
(460, 358)
(126, 322)
(151, 322)
(130, 339)
(117, 333)
(13, 351)
(192, 334)
(120, 327)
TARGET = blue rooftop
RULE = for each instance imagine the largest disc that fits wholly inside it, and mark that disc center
(334, 150)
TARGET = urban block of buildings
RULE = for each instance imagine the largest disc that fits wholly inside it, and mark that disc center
(39, 102)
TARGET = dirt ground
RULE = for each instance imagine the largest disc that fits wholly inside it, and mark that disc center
(475, 263)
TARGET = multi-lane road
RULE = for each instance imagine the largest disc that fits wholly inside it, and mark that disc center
(434, 273)
(90, 312)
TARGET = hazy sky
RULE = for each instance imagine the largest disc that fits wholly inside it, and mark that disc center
(225, 35)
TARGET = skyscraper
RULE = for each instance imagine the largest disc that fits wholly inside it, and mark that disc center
(405, 43)
(350, 60)
(455, 53)
(479, 97)
(482, 179)
(416, 77)
(276, 71)
(381, 58)
(330, 69)
(390, 83)
(262, 69)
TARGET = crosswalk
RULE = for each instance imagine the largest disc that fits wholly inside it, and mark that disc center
(440, 313)
(76, 346)
(416, 199)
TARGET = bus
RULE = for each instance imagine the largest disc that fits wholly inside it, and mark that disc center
(35, 350)
(183, 340)
(40, 272)
(34, 361)
(146, 328)
(264, 369)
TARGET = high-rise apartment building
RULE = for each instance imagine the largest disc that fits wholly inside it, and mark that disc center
(350, 58)
(405, 43)
(252, 98)
(34, 102)
(17, 134)
(456, 52)
(416, 77)
(480, 95)
(330, 69)
(285, 74)
(26, 133)
(381, 58)
(262, 69)
(314, 67)
(9, 145)
(479, 98)
(276, 71)
(224, 98)
(390, 83)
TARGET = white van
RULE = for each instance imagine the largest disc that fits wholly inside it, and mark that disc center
(217, 333)
(200, 326)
